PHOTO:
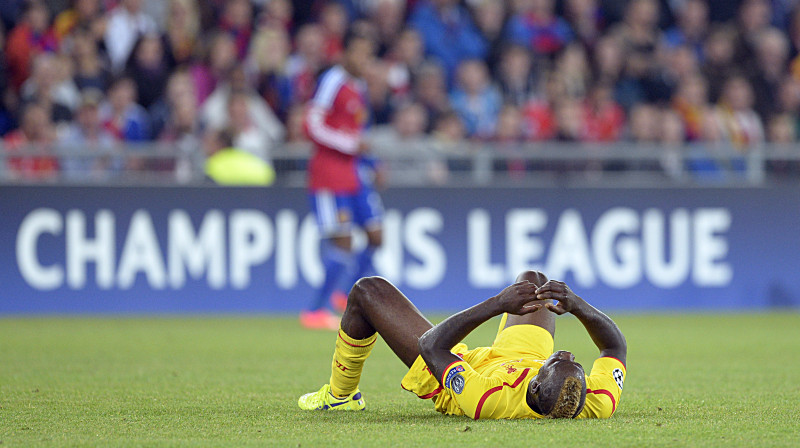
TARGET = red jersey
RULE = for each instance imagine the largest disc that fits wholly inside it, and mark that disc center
(335, 123)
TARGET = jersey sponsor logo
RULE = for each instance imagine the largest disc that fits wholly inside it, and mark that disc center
(454, 380)
(618, 376)
(457, 383)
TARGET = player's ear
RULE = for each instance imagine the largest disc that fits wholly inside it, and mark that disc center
(533, 387)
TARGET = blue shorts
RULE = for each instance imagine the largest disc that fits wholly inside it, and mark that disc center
(336, 213)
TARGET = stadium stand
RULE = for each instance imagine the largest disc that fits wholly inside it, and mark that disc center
(473, 91)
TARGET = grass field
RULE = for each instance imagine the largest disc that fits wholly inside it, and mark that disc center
(693, 380)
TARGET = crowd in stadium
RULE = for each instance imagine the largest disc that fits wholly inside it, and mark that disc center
(214, 73)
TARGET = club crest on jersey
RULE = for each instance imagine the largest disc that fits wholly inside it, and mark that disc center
(454, 380)
(618, 376)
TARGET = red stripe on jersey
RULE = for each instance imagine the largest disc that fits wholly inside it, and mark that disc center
(426, 396)
(432, 394)
(496, 389)
(623, 364)
(605, 392)
(354, 345)
(448, 368)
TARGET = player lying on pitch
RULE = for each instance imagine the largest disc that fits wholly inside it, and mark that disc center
(519, 376)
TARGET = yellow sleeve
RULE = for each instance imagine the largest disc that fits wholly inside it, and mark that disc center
(469, 389)
(603, 388)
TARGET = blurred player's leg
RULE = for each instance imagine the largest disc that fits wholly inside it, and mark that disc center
(367, 213)
(333, 217)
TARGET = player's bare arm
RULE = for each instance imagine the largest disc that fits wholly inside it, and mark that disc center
(435, 344)
(603, 331)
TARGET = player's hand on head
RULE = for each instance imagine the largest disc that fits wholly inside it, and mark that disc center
(559, 291)
(516, 299)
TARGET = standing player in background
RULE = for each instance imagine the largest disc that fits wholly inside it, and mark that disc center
(340, 196)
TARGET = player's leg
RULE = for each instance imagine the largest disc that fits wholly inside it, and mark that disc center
(543, 318)
(374, 307)
(368, 214)
(333, 218)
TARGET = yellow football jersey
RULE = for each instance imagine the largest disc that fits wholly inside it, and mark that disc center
(491, 382)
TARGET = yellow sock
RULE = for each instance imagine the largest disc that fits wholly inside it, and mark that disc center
(348, 360)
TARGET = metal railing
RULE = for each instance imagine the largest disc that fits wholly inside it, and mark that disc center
(429, 163)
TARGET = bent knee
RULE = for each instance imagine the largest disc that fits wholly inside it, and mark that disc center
(368, 287)
(535, 277)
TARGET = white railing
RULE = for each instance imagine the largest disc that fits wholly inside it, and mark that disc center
(430, 163)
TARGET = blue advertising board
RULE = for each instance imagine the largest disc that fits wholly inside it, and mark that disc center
(209, 249)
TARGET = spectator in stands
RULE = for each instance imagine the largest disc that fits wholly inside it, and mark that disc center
(692, 27)
(402, 146)
(216, 113)
(87, 148)
(148, 68)
(675, 65)
(247, 136)
(507, 140)
(90, 68)
(736, 120)
(379, 92)
(405, 57)
(180, 92)
(84, 14)
(644, 124)
(6, 96)
(306, 62)
(449, 34)
(754, 17)
(448, 131)
(772, 54)
(388, 17)
(182, 32)
(36, 133)
(475, 99)
(516, 76)
(569, 120)
(278, 13)
(122, 116)
(639, 36)
(182, 129)
(266, 62)
(32, 36)
(603, 118)
(491, 18)
(126, 23)
(430, 89)
(540, 113)
(236, 20)
(333, 22)
(690, 102)
(782, 129)
(51, 87)
(295, 124)
(789, 98)
(572, 66)
(719, 54)
(535, 24)
(219, 60)
(609, 62)
(671, 137)
(586, 20)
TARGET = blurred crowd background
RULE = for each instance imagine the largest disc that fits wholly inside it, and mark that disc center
(203, 75)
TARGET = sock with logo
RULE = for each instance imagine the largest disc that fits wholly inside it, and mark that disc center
(348, 361)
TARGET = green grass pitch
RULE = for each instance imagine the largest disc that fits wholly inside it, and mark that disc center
(693, 380)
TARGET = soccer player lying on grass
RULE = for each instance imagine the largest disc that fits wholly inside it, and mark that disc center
(519, 376)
